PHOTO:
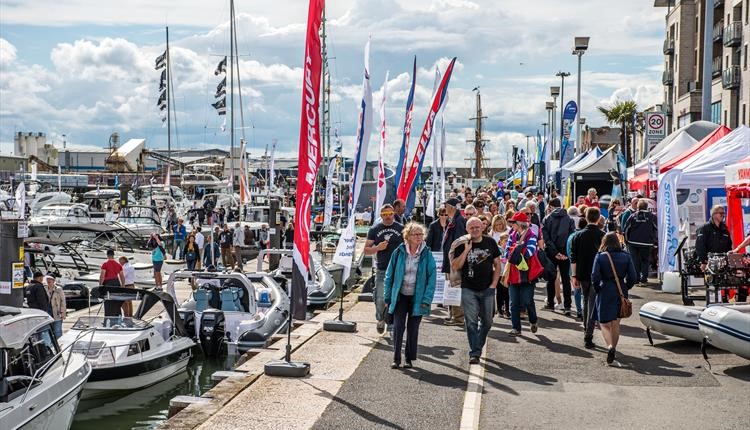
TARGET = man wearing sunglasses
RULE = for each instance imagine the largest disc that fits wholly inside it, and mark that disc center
(382, 239)
(713, 236)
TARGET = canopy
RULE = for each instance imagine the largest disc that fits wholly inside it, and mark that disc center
(676, 143)
(582, 162)
(707, 169)
(641, 181)
(738, 187)
(604, 163)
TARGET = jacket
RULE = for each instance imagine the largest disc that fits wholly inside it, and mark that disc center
(583, 250)
(529, 255)
(607, 301)
(36, 296)
(557, 227)
(640, 229)
(434, 239)
(57, 302)
(424, 289)
(456, 228)
(711, 238)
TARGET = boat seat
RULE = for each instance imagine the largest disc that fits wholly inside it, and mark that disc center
(201, 299)
(264, 297)
(164, 327)
(230, 299)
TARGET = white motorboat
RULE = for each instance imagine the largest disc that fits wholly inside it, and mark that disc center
(60, 213)
(143, 221)
(241, 310)
(320, 290)
(128, 353)
(727, 328)
(101, 201)
(40, 385)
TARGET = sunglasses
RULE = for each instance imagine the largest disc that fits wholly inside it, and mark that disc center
(386, 213)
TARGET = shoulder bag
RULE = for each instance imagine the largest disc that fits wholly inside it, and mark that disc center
(626, 306)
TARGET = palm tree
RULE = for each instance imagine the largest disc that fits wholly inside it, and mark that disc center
(621, 114)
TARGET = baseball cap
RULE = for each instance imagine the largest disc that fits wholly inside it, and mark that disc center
(452, 202)
(520, 217)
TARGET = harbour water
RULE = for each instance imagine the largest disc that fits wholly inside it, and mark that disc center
(147, 408)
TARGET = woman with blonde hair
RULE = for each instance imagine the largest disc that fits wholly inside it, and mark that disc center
(498, 227)
(408, 289)
(612, 276)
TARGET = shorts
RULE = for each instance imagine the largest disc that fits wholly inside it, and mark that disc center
(157, 266)
(115, 282)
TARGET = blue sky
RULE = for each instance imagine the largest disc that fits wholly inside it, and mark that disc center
(85, 68)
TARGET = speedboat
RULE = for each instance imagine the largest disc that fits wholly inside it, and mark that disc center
(320, 290)
(143, 221)
(61, 213)
(100, 201)
(241, 310)
(41, 384)
(678, 320)
(128, 353)
(727, 328)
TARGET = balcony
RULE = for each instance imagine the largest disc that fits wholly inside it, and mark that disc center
(693, 86)
(731, 77)
(668, 46)
(716, 67)
(733, 34)
(718, 32)
(667, 78)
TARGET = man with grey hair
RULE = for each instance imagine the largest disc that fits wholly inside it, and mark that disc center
(478, 259)
(382, 239)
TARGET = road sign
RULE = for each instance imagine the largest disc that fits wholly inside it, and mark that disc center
(656, 124)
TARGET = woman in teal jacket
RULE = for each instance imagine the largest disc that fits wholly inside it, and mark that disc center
(408, 289)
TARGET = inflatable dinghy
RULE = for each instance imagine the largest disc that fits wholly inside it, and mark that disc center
(671, 319)
(727, 328)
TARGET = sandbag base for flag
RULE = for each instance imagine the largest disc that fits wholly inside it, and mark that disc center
(286, 367)
(340, 324)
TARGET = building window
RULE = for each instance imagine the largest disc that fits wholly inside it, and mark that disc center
(716, 112)
(684, 120)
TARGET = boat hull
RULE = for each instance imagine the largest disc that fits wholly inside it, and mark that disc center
(671, 319)
(727, 328)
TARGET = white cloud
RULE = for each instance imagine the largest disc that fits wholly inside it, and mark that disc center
(7, 53)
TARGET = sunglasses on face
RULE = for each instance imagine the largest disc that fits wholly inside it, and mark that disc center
(388, 213)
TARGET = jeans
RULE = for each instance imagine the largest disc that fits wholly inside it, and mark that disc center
(522, 297)
(503, 299)
(640, 256)
(589, 301)
(378, 295)
(191, 264)
(402, 319)
(178, 244)
(57, 328)
(479, 308)
(564, 266)
(577, 296)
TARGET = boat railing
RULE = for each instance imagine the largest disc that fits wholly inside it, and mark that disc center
(46, 366)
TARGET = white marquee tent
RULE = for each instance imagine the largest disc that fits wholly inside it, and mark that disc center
(676, 143)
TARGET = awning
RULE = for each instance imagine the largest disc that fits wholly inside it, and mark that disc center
(677, 143)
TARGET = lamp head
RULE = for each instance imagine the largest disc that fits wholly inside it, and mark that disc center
(554, 91)
(580, 45)
(549, 105)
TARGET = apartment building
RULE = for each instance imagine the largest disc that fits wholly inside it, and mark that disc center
(683, 61)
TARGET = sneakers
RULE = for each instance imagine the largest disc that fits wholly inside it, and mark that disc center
(514, 332)
(588, 344)
(579, 315)
(381, 327)
(611, 355)
(452, 322)
(559, 307)
(534, 328)
(548, 308)
(395, 365)
(408, 364)
(567, 312)
(473, 360)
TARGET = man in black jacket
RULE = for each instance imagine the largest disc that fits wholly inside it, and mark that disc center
(455, 228)
(640, 235)
(713, 236)
(583, 250)
(556, 229)
(36, 294)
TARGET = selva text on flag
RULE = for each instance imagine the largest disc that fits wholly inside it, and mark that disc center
(424, 139)
(309, 157)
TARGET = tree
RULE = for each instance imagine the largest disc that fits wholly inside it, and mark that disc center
(621, 114)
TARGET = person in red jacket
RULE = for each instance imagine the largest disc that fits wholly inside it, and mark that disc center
(591, 199)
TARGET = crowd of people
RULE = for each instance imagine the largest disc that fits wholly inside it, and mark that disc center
(498, 244)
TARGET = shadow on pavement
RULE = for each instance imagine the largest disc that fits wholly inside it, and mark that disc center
(356, 409)
(651, 365)
(740, 372)
(558, 348)
(507, 371)
(440, 380)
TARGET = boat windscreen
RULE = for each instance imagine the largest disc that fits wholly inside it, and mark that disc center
(115, 323)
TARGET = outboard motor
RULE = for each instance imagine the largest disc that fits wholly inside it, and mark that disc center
(211, 333)
(188, 320)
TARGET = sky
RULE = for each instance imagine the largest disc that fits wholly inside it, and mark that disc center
(85, 68)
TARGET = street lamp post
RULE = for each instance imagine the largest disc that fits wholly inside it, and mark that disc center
(554, 92)
(580, 45)
(562, 76)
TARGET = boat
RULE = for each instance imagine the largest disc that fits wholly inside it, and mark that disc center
(41, 384)
(241, 310)
(129, 353)
(727, 328)
(143, 221)
(678, 320)
(320, 290)
(101, 201)
(61, 213)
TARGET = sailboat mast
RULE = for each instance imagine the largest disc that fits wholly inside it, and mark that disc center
(169, 104)
(231, 93)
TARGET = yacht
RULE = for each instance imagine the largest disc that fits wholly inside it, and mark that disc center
(141, 220)
(41, 384)
(61, 213)
(128, 353)
(101, 201)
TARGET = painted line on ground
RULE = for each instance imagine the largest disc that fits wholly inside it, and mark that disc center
(473, 398)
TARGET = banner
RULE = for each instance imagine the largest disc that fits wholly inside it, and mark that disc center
(328, 208)
(443, 178)
(244, 185)
(381, 191)
(566, 147)
(408, 186)
(404, 152)
(437, 298)
(21, 200)
(345, 248)
(309, 158)
(432, 203)
(669, 221)
(524, 171)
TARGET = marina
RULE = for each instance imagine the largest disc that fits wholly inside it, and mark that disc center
(201, 228)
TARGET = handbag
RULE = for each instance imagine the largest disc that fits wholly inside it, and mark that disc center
(626, 306)
(549, 269)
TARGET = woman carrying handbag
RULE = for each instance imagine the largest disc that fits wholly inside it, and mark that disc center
(612, 276)
(524, 270)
